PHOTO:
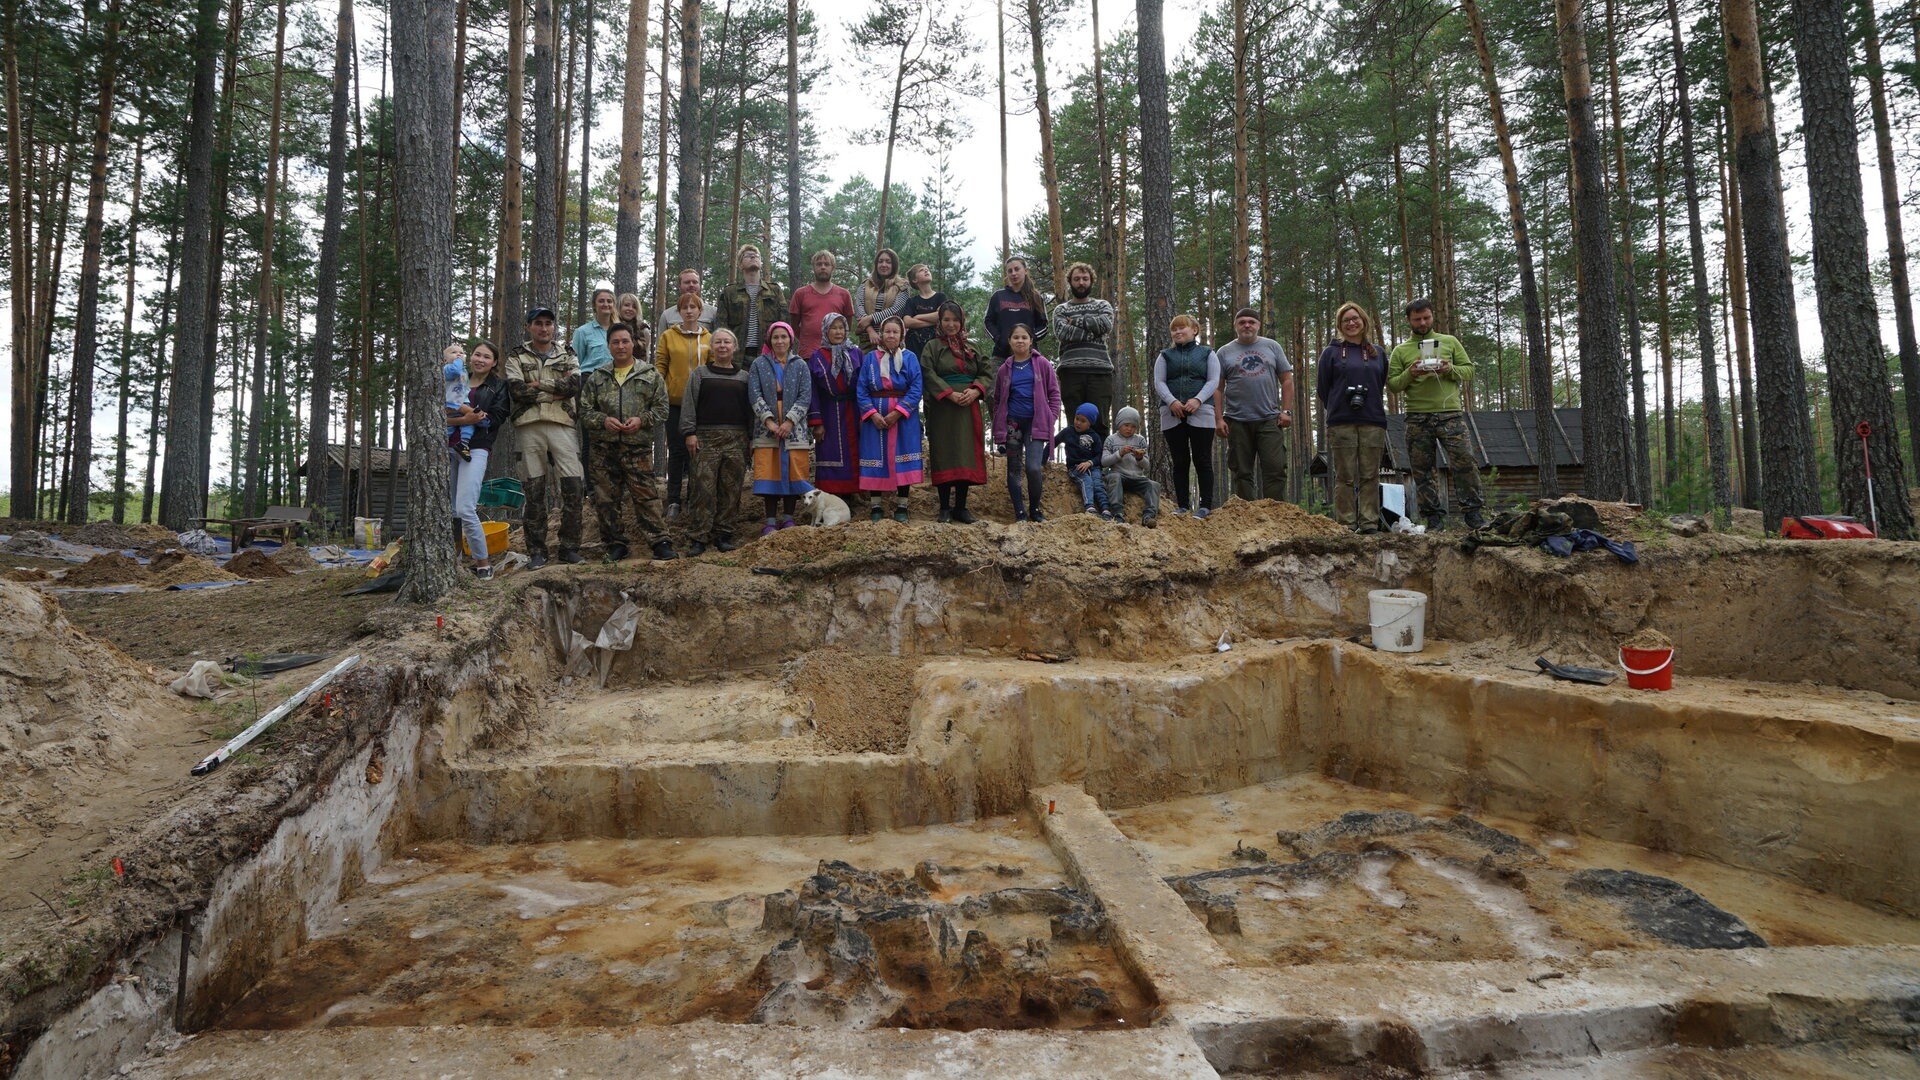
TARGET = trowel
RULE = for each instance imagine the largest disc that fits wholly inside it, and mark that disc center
(1596, 676)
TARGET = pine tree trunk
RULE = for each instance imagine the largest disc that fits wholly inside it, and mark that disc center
(1670, 408)
(1539, 364)
(1629, 285)
(1896, 238)
(1006, 207)
(633, 117)
(794, 275)
(1720, 483)
(1055, 238)
(1242, 258)
(1156, 191)
(1603, 376)
(661, 297)
(1843, 282)
(582, 297)
(327, 287)
(217, 280)
(182, 490)
(687, 249)
(512, 185)
(125, 380)
(1751, 480)
(893, 133)
(707, 132)
(86, 339)
(1787, 471)
(1103, 157)
(544, 280)
(254, 459)
(20, 249)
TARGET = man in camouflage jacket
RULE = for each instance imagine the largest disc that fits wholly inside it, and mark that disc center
(543, 378)
(623, 404)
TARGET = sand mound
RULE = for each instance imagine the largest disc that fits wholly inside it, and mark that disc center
(184, 568)
(294, 558)
(69, 705)
(860, 701)
(27, 573)
(32, 542)
(121, 537)
(111, 568)
(253, 563)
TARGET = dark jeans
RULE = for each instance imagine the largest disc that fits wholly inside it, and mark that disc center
(1191, 447)
(676, 456)
(1081, 385)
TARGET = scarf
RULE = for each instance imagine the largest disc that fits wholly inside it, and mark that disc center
(890, 363)
(766, 343)
(843, 359)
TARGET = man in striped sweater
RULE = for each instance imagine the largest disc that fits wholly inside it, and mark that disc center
(1081, 325)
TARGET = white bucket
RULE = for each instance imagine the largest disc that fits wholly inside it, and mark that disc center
(366, 533)
(1399, 619)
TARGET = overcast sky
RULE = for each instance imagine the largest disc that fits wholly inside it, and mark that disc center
(841, 106)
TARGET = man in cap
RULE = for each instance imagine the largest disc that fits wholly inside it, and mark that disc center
(544, 379)
(1256, 395)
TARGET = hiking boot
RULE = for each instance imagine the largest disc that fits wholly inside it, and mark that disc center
(536, 560)
(696, 549)
(571, 557)
(1436, 523)
(1476, 519)
(663, 552)
(725, 543)
(615, 553)
(963, 516)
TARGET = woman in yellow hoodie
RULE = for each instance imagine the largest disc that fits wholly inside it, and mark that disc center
(682, 347)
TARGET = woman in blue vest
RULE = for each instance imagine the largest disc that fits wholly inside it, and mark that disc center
(1185, 377)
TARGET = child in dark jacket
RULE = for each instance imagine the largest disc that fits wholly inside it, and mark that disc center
(1083, 447)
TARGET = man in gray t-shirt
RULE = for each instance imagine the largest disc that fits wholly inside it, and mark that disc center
(1255, 405)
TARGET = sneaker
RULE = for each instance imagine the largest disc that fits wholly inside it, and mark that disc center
(1019, 516)
(536, 560)
(946, 515)
(1179, 511)
(615, 553)
(878, 512)
(465, 451)
(1476, 520)
(785, 523)
(571, 557)
(770, 528)
(725, 543)
(1106, 515)
(1092, 509)
(963, 516)
(1202, 514)
(1150, 521)
(663, 552)
(483, 573)
(899, 513)
(696, 549)
(1036, 516)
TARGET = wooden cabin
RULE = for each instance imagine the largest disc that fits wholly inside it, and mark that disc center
(386, 487)
(1505, 451)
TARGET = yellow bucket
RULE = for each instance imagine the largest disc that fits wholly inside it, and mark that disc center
(496, 533)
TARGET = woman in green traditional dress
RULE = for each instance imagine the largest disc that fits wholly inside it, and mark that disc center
(957, 378)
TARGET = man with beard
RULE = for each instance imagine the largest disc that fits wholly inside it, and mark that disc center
(812, 302)
(1081, 323)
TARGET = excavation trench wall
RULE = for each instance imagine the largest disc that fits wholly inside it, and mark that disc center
(1750, 784)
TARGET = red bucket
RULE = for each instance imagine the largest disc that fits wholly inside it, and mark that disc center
(1648, 669)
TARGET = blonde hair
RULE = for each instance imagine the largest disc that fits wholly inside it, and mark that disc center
(1367, 328)
(915, 269)
(1187, 321)
(628, 298)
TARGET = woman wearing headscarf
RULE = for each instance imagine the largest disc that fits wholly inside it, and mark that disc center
(833, 417)
(781, 393)
(957, 377)
(888, 395)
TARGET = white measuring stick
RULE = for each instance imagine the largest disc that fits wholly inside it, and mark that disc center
(213, 761)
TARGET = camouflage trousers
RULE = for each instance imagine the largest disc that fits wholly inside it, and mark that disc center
(1448, 431)
(714, 480)
(622, 471)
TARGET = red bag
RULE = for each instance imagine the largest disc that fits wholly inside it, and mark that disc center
(1827, 527)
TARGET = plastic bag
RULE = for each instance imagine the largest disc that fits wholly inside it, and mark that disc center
(201, 681)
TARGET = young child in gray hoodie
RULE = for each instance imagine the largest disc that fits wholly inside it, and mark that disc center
(1124, 460)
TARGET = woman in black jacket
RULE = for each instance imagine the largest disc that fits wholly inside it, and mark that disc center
(487, 410)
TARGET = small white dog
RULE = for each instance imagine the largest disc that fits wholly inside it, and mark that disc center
(823, 508)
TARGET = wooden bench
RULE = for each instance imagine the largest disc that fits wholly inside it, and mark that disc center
(284, 521)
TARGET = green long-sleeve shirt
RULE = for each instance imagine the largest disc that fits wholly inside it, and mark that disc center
(1438, 393)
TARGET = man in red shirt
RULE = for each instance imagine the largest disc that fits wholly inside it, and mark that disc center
(812, 302)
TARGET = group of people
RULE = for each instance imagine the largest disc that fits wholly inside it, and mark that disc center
(866, 393)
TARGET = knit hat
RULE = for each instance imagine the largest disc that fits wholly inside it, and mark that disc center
(1090, 411)
(1128, 415)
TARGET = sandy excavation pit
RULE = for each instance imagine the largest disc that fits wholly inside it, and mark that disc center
(816, 787)
(957, 927)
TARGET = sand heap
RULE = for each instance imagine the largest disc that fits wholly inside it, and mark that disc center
(69, 705)
(122, 537)
(252, 563)
(184, 568)
(294, 558)
(111, 568)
